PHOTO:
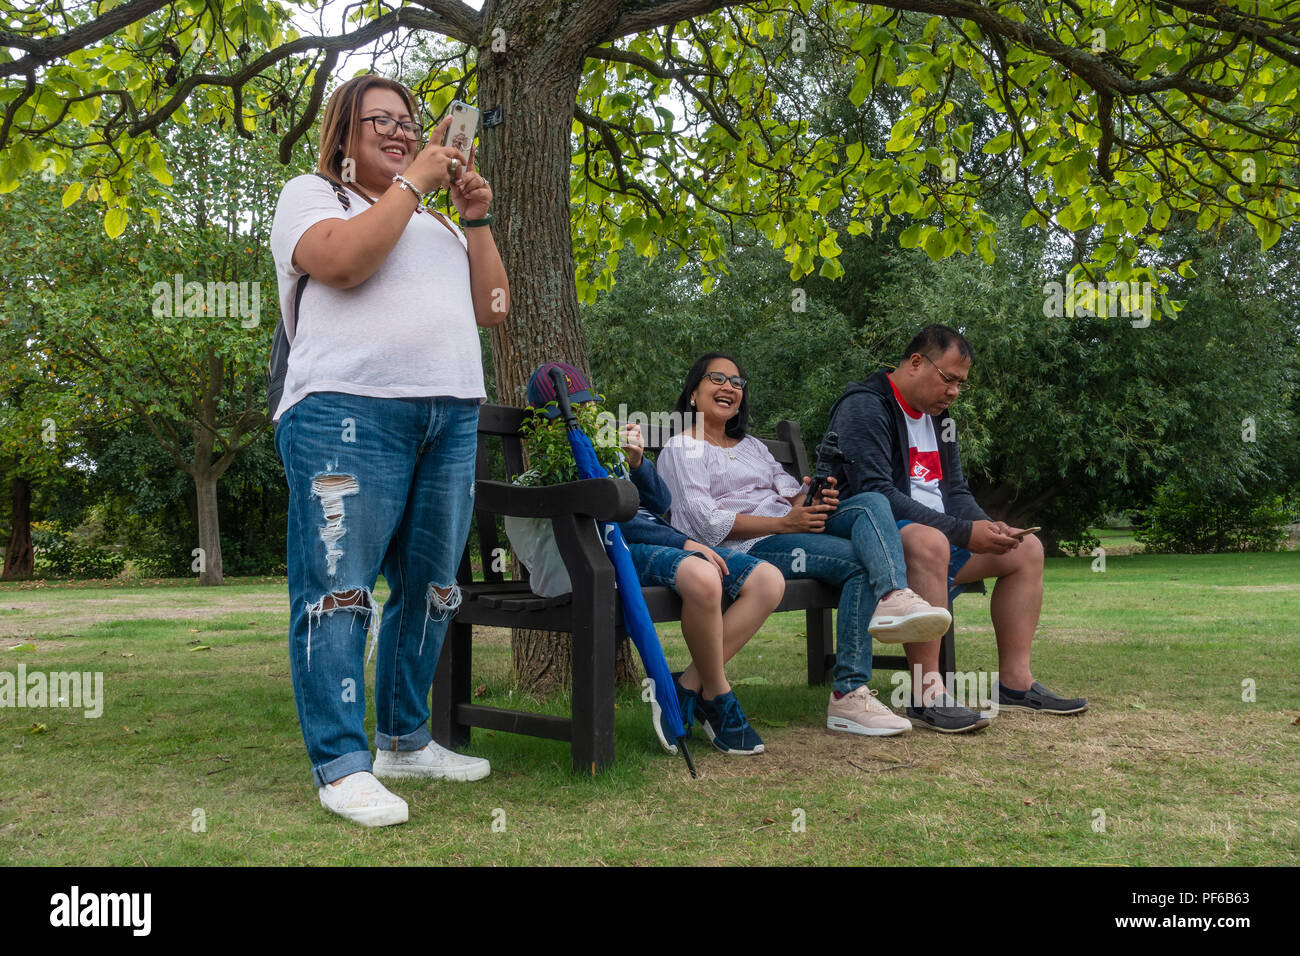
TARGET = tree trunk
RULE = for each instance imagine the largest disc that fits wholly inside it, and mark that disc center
(205, 493)
(534, 82)
(20, 560)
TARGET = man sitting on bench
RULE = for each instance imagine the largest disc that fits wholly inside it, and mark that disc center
(900, 441)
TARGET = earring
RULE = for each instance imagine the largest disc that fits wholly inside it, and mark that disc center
(692, 403)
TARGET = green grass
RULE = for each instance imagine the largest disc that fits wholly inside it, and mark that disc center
(1116, 540)
(1184, 770)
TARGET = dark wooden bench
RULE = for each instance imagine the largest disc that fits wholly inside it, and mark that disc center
(591, 613)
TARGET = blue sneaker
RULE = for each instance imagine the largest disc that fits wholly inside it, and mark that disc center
(727, 726)
(688, 699)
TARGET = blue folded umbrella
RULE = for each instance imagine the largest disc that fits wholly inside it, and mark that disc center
(636, 618)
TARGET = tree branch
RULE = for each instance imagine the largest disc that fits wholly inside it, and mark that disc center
(405, 17)
(323, 73)
(43, 50)
(464, 23)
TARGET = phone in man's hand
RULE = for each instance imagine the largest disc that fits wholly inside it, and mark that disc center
(1020, 535)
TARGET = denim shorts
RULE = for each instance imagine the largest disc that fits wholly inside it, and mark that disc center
(957, 558)
(656, 564)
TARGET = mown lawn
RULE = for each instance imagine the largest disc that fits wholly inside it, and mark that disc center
(199, 727)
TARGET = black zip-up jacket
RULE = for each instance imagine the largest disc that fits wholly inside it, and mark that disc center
(873, 436)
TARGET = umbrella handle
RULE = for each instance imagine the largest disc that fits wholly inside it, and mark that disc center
(562, 396)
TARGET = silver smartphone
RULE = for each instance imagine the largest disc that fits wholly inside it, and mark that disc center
(464, 124)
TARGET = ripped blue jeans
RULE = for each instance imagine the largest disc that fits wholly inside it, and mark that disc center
(375, 485)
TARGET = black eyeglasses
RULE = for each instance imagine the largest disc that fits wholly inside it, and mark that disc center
(717, 378)
(386, 126)
(962, 385)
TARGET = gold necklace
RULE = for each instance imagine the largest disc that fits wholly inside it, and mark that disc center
(726, 448)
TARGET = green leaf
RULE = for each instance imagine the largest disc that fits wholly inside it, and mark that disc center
(72, 194)
(1000, 143)
(900, 138)
(831, 269)
(936, 244)
(158, 167)
(115, 221)
(861, 89)
(961, 137)
(1269, 233)
(1135, 220)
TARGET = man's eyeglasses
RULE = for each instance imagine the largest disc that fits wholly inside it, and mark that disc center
(717, 378)
(950, 380)
(386, 126)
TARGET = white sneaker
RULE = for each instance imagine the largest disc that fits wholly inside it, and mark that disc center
(858, 712)
(903, 616)
(361, 798)
(430, 762)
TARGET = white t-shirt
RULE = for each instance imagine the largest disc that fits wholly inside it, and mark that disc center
(408, 331)
(923, 466)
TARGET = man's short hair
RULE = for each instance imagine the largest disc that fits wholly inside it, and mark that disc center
(933, 340)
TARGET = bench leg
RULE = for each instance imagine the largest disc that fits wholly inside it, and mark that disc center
(593, 700)
(821, 645)
(451, 683)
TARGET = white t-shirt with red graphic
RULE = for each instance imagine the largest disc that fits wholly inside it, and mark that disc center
(923, 466)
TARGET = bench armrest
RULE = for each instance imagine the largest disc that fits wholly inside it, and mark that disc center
(605, 499)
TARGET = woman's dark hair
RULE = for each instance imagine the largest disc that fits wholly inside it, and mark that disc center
(737, 426)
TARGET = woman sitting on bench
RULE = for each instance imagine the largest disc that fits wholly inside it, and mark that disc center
(660, 553)
(729, 491)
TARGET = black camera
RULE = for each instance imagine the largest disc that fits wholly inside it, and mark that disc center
(829, 459)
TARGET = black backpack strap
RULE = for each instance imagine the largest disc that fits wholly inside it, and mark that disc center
(342, 195)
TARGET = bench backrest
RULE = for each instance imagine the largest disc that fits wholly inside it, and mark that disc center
(498, 430)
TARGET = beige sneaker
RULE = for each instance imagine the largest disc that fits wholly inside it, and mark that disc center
(903, 616)
(858, 712)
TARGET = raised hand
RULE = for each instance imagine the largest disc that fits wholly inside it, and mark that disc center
(470, 193)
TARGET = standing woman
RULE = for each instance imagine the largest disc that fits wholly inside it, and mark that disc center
(377, 429)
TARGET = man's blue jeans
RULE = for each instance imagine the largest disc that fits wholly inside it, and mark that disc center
(374, 485)
(861, 553)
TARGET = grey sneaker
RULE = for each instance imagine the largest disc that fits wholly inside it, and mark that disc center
(1040, 700)
(947, 717)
